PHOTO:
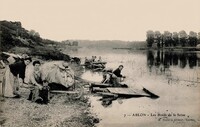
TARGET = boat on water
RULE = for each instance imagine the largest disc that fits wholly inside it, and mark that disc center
(107, 90)
(96, 66)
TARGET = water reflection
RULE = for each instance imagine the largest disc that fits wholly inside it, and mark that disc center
(107, 102)
(168, 80)
(169, 58)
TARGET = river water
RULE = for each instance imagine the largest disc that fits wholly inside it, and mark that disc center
(173, 76)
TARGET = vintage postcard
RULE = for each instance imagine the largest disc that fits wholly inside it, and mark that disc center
(102, 63)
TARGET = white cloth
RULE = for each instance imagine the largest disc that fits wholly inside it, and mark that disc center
(11, 60)
(66, 78)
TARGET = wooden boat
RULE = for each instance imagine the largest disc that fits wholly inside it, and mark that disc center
(99, 62)
(95, 65)
(105, 85)
(101, 85)
(106, 90)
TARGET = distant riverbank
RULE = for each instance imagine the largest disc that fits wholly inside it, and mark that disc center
(165, 48)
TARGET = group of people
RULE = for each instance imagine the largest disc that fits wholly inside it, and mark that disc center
(114, 77)
(60, 77)
(93, 59)
(38, 82)
(95, 64)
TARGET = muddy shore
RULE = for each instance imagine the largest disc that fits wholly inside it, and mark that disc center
(63, 110)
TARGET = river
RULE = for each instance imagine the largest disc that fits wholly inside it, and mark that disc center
(173, 76)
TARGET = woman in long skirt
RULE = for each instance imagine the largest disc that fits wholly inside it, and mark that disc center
(13, 78)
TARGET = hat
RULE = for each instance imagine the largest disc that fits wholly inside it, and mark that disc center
(24, 56)
(28, 58)
(64, 65)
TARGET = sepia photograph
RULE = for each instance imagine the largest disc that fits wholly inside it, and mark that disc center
(100, 63)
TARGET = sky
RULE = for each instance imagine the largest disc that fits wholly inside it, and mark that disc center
(102, 19)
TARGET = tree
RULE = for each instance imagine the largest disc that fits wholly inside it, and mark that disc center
(170, 40)
(167, 38)
(34, 33)
(198, 38)
(162, 40)
(175, 38)
(75, 43)
(183, 38)
(37, 34)
(192, 38)
(157, 38)
(150, 38)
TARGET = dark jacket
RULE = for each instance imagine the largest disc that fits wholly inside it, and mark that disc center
(117, 72)
(18, 68)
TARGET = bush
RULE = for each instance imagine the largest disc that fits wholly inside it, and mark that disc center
(49, 54)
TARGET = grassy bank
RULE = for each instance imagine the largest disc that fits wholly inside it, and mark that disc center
(63, 110)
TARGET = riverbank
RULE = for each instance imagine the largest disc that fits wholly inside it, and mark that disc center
(63, 110)
(189, 49)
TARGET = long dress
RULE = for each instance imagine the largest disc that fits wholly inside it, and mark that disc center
(8, 83)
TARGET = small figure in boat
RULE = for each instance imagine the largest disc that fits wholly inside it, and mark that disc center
(99, 60)
(99, 64)
(96, 65)
(93, 59)
(86, 60)
(39, 91)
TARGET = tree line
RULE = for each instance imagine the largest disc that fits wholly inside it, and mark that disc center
(174, 39)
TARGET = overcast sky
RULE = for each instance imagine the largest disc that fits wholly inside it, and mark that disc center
(102, 19)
